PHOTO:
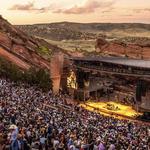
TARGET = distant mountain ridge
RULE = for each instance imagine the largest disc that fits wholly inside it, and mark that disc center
(77, 31)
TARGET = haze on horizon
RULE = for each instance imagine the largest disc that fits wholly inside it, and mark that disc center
(85, 11)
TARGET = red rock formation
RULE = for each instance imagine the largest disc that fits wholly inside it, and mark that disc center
(123, 49)
(13, 59)
(56, 70)
(19, 45)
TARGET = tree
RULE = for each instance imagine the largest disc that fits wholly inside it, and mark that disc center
(44, 79)
(38, 77)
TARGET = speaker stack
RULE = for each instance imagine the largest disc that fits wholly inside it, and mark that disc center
(141, 88)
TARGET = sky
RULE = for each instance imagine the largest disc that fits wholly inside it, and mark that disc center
(85, 11)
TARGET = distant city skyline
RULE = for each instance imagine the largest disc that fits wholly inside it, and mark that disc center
(84, 11)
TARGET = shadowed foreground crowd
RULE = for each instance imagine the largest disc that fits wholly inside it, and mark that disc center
(33, 120)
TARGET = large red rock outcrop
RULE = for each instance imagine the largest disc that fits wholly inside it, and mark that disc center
(123, 49)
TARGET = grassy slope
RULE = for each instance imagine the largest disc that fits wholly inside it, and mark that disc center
(75, 45)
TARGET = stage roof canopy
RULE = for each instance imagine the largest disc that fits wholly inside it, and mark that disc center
(117, 60)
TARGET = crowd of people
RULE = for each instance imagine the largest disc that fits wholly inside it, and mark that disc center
(34, 120)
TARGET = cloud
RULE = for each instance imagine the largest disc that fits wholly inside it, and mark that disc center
(126, 15)
(108, 10)
(89, 7)
(25, 7)
(31, 7)
(141, 10)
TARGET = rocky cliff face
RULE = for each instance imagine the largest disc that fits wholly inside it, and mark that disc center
(22, 49)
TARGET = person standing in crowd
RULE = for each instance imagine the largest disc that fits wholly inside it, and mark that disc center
(12, 137)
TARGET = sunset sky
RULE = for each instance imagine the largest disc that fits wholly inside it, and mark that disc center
(46, 11)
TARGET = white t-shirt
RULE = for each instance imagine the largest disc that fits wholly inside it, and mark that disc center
(28, 133)
(55, 142)
(42, 140)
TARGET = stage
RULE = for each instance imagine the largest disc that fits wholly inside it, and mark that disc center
(111, 109)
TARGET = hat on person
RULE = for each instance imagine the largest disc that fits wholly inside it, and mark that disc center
(98, 139)
(13, 127)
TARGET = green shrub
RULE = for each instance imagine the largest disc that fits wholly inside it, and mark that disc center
(38, 77)
(44, 52)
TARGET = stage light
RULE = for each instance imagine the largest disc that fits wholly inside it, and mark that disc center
(71, 80)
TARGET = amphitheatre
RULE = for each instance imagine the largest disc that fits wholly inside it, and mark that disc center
(56, 99)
